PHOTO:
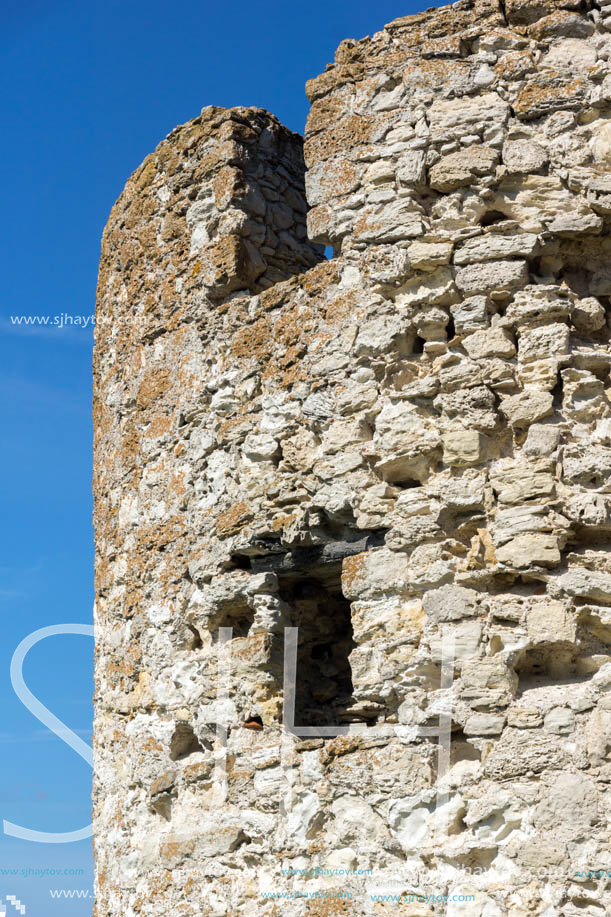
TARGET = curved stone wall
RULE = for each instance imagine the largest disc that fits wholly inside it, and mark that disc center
(403, 452)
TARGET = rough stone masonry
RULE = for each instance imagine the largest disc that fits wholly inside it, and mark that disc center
(407, 444)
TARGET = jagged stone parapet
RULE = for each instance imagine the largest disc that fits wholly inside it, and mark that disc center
(404, 447)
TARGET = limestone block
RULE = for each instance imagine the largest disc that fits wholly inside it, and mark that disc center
(538, 343)
(462, 448)
(495, 278)
(589, 467)
(495, 342)
(523, 156)
(538, 304)
(484, 724)
(559, 720)
(261, 447)
(493, 246)
(366, 576)
(599, 195)
(524, 717)
(587, 584)
(389, 222)
(469, 314)
(411, 168)
(570, 800)
(548, 622)
(459, 169)
(450, 603)
(487, 681)
(578, 222)
(588, 315)
(457, 116)
(426, 256)
(516, 520)
(431, 288)
(541, 440)
(527, 407)
(598, 736)
(526, 550)
(521, 482)
(520, 752)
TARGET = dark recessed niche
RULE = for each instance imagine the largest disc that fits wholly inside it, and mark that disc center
(418, 345)
(241, 562)
(318, 608)
(491, 217)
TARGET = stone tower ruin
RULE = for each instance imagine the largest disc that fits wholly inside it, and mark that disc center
(390, 468)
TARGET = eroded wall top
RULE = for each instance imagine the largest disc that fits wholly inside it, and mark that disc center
(438, 101)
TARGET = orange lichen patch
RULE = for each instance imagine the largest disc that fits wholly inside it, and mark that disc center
(514, 65)
(103, 574)
(328, 109)
(282, 521)
(227, 265)
(318, 222)
(290, 326)
(353, 571)
(343, 307)
(236, 425)
(197, 771)
(227, 185)
(444, 21)
(278, 295)
(446, 46)
(329, 907)
(320, 278)
(253, 341)
(340, 178)
(190, 134)
(150, 745)
(172, 852)
(292, 355)
(159, 425)
(154, 384)
(118, 674)
(145, 174)
(556, 24)
(130, 449)
(255, 651)
(549, 92)
(190, 886)
(233, 519)
(342, 745)
(220, 155)
(155, 536)
(343, 135)
(334, 77)
(147, 237)
(294, 374)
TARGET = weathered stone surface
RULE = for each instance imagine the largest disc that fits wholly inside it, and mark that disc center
(459, 169)
(495, 278)
(404, 452)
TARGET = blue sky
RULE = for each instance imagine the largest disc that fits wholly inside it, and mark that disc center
(90, 89)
